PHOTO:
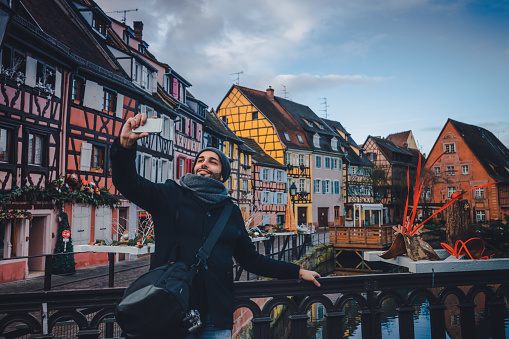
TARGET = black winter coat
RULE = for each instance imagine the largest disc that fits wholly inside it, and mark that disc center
(180, 218)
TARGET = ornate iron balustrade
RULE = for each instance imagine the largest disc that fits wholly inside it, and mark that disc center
(40, 313)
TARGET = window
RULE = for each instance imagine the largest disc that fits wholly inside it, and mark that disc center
(281, 219)
(426, 192)
(480, 216)
(479, 193)
(181, 125)
(449, 148)
(353, 190)
(301, 159)
(167, 128)
(318, 161)
(464, 169)
(13, 61)
(450, 191)
(317, 183)
(302, 185)
(371, 156)
(254, 116)
(334, 163)
(279, 176)
(326, 186)
(78, 89)
(5, 145)
(265, 197)
(45, 76)
(353, 170)
(137, 72)
(35, 149)
(334, 143)
(437, 170)
(450, 170)
(327, 163)
(316, 140)
(109, 100)
(244, 184)
(97, 159)
(299, 137)
(265, 174)
(280, 198)
(287, 137)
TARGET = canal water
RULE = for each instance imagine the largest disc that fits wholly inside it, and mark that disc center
(390, 326)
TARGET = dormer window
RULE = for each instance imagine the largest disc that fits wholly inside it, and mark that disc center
(99, 25)
(320, 126)
(316, 140)
(299, 137)
(334, 143)
(287, 137)
(310, 124)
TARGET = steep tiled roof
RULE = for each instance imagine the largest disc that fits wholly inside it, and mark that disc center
(260, 156)
(216, 124)
(399, 138)
(303, 114)
(356, 160)
(52, 20)
(337, 125)
(487, 148)
(390, 145)
(276, 114)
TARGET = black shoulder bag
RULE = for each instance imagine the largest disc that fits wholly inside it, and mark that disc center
(157, 301)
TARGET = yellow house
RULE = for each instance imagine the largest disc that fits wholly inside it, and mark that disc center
(257, 115)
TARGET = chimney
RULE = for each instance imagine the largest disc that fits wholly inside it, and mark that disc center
(138, 30)
(270, 92)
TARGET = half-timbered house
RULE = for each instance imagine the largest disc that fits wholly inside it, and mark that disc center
(326, 163)
(258, 115)
(391, 165)
(357, 180)
(269, 191)
(474, 156)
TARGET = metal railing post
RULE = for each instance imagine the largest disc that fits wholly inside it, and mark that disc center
(48, 265)
(111, 271)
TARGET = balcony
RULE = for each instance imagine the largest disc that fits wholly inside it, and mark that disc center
(90, 313)
(361, 238)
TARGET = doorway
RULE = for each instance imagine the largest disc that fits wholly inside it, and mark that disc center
(302, 217)
(36, 243)
(323, 217)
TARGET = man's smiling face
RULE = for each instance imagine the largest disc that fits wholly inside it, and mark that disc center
(208, 165)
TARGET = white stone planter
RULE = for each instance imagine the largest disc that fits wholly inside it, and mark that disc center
(115, 249)
(449, 264)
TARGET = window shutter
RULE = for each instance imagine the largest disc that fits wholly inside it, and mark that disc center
(58, 84)
(153, 86)
(189, 166)
(285, 177)
(90, 94)
(241, 159)
(273, 198)
(120, 106)
(271, 174)
(172, 129)
(86, 156)
(249, 186)
(307, 185)
(285, 198)
(324, 186)
(175, 88)
(31, 72)
(143, 109)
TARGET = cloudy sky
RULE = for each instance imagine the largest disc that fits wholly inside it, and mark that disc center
(383, 66)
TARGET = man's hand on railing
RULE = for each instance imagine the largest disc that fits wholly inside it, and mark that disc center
(309, 276)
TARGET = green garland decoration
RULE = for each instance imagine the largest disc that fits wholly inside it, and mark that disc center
(15, 214)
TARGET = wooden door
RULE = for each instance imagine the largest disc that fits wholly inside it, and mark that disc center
(323, 217)
(80, 227)
(302, 217)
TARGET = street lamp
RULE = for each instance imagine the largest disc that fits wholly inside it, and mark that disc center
(293, 193)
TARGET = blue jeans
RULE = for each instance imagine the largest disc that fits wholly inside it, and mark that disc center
(207, 331)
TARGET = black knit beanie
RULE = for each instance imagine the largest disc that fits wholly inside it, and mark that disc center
(225, 162)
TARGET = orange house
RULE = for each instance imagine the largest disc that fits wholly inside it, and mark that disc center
(474, 156)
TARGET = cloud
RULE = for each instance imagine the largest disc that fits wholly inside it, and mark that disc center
(305, 82)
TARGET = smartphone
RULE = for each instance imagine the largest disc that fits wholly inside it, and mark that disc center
(151, 126)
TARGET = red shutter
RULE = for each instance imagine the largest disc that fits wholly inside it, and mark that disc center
(175, 88)
(189, 165)
(178, 167)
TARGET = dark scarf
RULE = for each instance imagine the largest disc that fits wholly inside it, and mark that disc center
(208, 190)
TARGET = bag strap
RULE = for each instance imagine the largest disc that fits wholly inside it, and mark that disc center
(204, 251)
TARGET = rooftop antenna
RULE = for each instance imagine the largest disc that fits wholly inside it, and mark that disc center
(285, 92)
(238, 76)
(124, 11)
(324, 104)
